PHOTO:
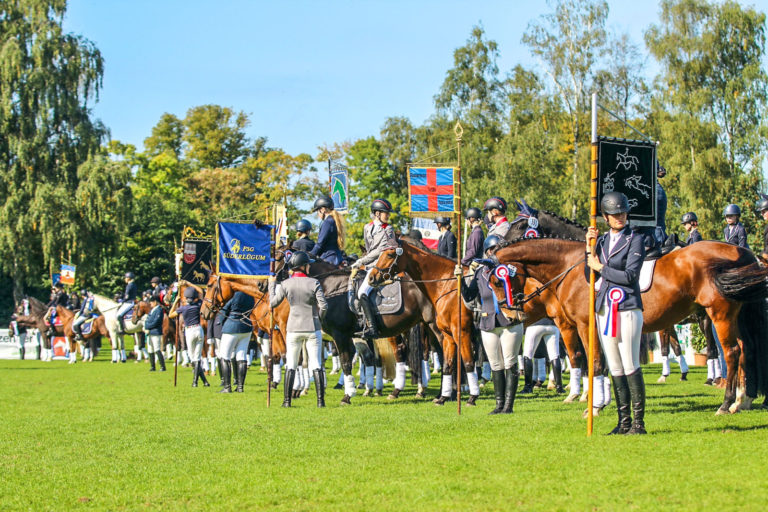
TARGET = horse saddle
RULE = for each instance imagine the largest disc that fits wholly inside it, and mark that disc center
(87, 327)
(128, 315)
(388, 299)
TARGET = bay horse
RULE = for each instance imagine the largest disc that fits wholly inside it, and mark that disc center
(98, 330)
(108, 309)
(36, 320)
(724, 280)
(341, 322)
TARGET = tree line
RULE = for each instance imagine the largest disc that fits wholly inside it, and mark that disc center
(69, 193)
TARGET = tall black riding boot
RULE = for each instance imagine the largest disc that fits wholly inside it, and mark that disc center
(637, 393)
(242, 369)
(160, 360)
(226, 375)
(195, 373)
(37, 352)
(320, 387)
(621, 394)
(235, 373)
(152, 362)
(499, 384)
(221, 377)
(511, 379)
(288, 387)
(201, 374)
(21, 353)
(557, 370)
(528, 374)
(371, 331)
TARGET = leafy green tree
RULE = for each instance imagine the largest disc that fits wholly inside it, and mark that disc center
(215, 136)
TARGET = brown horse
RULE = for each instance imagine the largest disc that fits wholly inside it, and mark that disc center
(724, 280)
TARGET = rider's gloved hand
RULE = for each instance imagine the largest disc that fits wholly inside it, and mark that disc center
(458, 271)
(357, 264)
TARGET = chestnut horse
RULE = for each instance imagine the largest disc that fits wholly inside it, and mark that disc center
(724, 280)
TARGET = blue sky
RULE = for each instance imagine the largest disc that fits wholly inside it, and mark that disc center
(306, 72)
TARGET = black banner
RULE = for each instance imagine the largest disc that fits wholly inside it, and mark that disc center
(196, 261)
(629, 166)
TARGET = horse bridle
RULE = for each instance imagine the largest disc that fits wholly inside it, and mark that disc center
(386, 274)
(216, 291)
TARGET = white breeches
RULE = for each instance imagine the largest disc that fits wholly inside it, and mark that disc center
(502, 345)
(365, 287)
(194, 336)
(294, 343)
(535, 334)
(623, 351)
(155, 342)
(233, 346)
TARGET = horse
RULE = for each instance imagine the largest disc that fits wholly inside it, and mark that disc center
(142, 308)
(98, 330)
(341, 321)
(724, 280)
(36, 320)
(108, 309)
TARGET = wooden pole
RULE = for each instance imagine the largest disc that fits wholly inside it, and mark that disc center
(592, 223)
(176, 355)
(458, 130)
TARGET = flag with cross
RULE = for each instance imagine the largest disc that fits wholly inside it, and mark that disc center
(431, 189)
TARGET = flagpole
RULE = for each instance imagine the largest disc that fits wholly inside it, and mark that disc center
(458, 130)
(271, 311)
(592, 223)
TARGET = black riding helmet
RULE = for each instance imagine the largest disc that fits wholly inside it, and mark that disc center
(381, 205)
(299, 259)
(491, 242)
(415, 234)
(614, 203)
(190, 293)
(497, 203)
(323, 202)
(445, 221)
(689, 217)
(155, 280)
(732, 209)
(303, 226)
(130, 275)
(661, 171)
(473, 214)
(762, 204)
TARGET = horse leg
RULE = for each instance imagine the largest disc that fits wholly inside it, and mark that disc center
(449, 353)
(664, 339)
(724, 319)
(346, 353)
(400, 351)
(468, 360)
(570, 337)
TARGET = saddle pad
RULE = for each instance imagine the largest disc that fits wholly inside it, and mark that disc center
(646, 275)
(389, 299)
(87, 327)
(128, 315)
(58, 322)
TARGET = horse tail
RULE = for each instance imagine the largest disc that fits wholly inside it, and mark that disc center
(384, 347)
(753, 324)
(415, 351)
(743, 280)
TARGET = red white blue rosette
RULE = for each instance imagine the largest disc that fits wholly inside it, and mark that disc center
(505, 273)
(615, 297)
(531, 233)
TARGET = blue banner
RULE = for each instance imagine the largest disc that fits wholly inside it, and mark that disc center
(55, 278)
(243, 249)
(340, 188)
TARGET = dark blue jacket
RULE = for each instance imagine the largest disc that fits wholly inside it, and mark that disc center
(87, 307)
(661, 208)
(622, 268)
(303, 244)
(474, 246)
(327, 246)
(238, 312)
(738, 237)
(215, 326)
(131, 291)
(154, 321)
(478, 286)
(447, 245)
(694, 237)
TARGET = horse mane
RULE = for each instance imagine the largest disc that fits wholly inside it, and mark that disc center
(507, 243)
(419, 246)
(417, 243)
(564, 220)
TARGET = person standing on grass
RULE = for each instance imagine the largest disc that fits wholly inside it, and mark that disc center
(616, 260)
(501, 336)
(307, 300)
(154, 327)
(193, 331)
(235, 338)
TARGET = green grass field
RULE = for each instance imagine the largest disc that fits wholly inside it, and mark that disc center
(116, 437)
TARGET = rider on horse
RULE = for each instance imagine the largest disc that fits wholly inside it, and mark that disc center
(129, 297)
(446, 245)
(58, 298)
(496, 219)
(158, 289)
(734, 233)
(330, 239)
(303, 242)
(87, 309)
(473, 248)
(691, 224)
(378, 236)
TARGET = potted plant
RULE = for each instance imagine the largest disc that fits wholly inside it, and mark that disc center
(699, 345)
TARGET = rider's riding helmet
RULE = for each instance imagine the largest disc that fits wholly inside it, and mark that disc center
(442, 221)
(415, 234)
(299, 259)
(130, 275)
(83, 292)
(473, 214)
(381, 205)
(155, 280)
(491, 242)
(303, 226)
(323, 202)
(190, 293)
(762, 204)
(732, 209)
(495, 203)
(661, 171)
(614, 203)
(689, 217)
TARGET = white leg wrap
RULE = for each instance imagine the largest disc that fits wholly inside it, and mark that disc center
(541, 364)
(425, 373)
(447, 387)
(399, 382)
(349, 386)
(606, 390)
(665, 367)
(575, 381)
(597, 397)
(370, 373)
(114, 354)
(683, 363)
(276, 373)
(710, 369)
(474, 386)
(380, 377)
(335, 365)
(306, 378)
(718, 368)
(123, 357)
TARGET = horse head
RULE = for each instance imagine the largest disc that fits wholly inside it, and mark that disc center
(387, 266)
(219, 291)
